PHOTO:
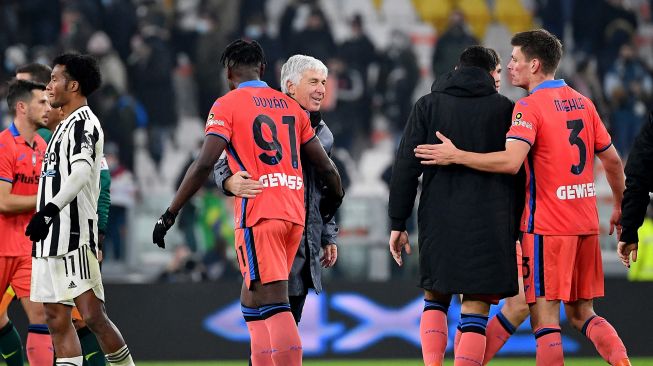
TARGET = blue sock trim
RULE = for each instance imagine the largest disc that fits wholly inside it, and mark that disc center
(505, 323)
(250, 314)
(473, 323)
(587, 323)
(272, 309)
(38, 328)
(435, 305)
(544, 331)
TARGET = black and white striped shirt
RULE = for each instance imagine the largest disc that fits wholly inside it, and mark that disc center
(78, 138)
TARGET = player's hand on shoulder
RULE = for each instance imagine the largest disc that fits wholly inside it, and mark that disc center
(162, 226)
(39, 226)
(437, 154)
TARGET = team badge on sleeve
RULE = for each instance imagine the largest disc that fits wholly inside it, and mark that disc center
(212, 122)
(518, 121)
(87, 143)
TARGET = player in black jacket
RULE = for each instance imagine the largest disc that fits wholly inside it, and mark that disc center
(467, 218)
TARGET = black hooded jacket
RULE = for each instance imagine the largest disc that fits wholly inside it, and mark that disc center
(467, 219)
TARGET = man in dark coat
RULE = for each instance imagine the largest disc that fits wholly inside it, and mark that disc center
(304, 79)
(639, 182)
(466, 218)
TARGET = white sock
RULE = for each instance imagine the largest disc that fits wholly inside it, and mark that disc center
(70, 361)
(121, 357)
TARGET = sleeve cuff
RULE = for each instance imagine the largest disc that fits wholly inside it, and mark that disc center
(629, 236)
(224, 190)
(398, 225)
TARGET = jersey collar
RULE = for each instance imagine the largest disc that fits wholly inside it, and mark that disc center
(548, 84)
(14, 130)
(17, 137)
(253, 84)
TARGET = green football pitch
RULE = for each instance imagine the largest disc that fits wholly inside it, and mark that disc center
(497, 362)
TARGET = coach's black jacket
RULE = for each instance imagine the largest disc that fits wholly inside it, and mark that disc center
(467, 219)
(639, 182)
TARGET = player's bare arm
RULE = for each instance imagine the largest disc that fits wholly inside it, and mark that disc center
(198, 171)
(327, 171)
(13, 203)
(616, 179)
(195, 176)
(614, 172)
(508, 161)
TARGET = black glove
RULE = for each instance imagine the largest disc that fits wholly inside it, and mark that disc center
(329, 206)
(162, 226)
(39, 226)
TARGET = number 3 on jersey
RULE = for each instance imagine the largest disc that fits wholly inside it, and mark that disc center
(576, 126)
(274, 145)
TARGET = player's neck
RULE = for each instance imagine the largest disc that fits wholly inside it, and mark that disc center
(73, 105)
(538, 79)
(245, 77)
(26, 129)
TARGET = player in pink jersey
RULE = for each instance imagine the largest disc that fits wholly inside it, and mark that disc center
(263, 131)
(556, 132)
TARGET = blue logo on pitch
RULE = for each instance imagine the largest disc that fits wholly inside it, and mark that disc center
(373, 322)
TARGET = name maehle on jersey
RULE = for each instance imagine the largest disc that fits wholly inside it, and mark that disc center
(78, 138)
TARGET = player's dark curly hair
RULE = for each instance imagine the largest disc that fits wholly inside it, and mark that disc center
(542, 45)
(21, 90)
(81, 68)
(478, 56)
(243, 53)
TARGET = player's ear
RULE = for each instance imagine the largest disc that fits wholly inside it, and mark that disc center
(73, 85)
(21, 106)
(290, 86)
(535, 65)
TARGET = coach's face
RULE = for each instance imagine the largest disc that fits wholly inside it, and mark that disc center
(519, 68)
(38, 109)
(58, 88)
(310, 90)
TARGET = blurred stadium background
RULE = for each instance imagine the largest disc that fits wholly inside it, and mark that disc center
(159, 60)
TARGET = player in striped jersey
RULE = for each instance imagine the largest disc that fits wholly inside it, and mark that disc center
(65, 269)
(9, 338)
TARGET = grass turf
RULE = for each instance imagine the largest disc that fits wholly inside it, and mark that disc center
(498, 362)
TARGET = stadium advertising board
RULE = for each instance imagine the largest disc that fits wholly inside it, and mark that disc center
(352, 320)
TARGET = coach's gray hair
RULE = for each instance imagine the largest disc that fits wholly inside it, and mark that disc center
(296, 65)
